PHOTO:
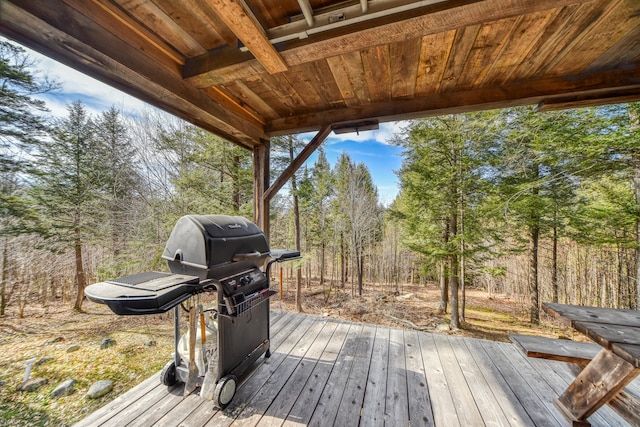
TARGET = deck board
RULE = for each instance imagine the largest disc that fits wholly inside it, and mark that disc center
(327, 408)
(357, 382)
(329, 372)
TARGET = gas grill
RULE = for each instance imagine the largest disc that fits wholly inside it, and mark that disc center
(227, 255)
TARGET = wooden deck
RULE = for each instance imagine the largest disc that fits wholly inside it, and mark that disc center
(326, 372)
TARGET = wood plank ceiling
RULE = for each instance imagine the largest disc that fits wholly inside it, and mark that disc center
(250, 69)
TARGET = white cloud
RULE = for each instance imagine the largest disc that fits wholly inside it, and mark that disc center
(96, 95)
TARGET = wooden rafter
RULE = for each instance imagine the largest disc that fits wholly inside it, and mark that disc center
(589, 100)
(237, 16)
(100, 54)
(224, 65)
(297, 162)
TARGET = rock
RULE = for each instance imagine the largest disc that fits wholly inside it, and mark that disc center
(2, 383)
(107, 342)
(99, 389)
(32, 384)
(150, 343)
(443, 327)
(64, 388)
(43, 361)
(56, 340)
(73, 347)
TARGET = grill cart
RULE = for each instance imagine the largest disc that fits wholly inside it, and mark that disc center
(228, 255)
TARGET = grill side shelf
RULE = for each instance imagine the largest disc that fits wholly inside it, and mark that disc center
(231, 307)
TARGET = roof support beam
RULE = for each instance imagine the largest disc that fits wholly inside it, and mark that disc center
(261, 171)
(93, 50)
(589, 100)
(224, 65)
(297, 162)
(237, 16)
(526, 93)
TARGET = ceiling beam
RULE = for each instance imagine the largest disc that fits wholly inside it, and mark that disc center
(364, 6)
(223, 65)
(510, 95)
(297, 162)
(589, 100)
(307, 11)
(90, 48)
(240, 20)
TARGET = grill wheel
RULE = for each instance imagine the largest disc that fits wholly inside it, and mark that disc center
(225, 390)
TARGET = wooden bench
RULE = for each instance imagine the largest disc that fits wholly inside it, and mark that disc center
(578, 354)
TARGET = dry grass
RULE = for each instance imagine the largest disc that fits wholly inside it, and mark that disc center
(44, 335)
(47, 333)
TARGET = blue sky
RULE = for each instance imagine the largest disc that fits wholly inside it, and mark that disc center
(370, 147)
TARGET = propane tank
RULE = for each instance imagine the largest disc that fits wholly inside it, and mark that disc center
(211, 342)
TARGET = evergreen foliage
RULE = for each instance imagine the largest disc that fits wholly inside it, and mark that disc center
(545, 206)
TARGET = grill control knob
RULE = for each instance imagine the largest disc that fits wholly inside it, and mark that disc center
(245, 280)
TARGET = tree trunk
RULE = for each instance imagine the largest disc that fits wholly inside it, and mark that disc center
(322, 260)
(636, 186)
(343, 272)
(444, 275)
(360, 267)
(81, 281)
(534, 234)
(455, 268)
(463, 262)
(296, 220)
(554, 265)
(236, 196)
(4, 277)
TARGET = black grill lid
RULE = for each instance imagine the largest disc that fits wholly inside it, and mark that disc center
(210, 246)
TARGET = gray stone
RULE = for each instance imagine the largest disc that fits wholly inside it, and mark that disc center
(99, 389)
(64, 388)
(107, 342)
(43, 361)
(73, 347)
(443, 327)
(32, 384)
(150, 343)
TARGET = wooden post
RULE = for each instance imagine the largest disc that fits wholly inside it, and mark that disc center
(261, 170)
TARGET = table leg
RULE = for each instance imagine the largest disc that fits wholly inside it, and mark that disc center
(598, 383)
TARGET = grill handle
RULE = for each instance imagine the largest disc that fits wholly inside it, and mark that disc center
(247, 256)
(281, 255)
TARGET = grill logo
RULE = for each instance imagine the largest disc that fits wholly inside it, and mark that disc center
(234, 226)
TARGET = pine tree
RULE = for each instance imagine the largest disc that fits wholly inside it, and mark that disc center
(69, 184)
(120, 177)
(444, 181)
(21, 126)
(537, 171)
(356, 212)
(320, 199)
(285, 150)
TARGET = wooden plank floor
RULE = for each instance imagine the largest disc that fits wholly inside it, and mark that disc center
(325, 372)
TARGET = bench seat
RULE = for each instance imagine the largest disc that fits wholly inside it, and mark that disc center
(556, 349)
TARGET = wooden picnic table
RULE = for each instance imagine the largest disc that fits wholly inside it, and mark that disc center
(615, 365)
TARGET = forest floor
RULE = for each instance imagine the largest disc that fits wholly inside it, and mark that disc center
(143, 344)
